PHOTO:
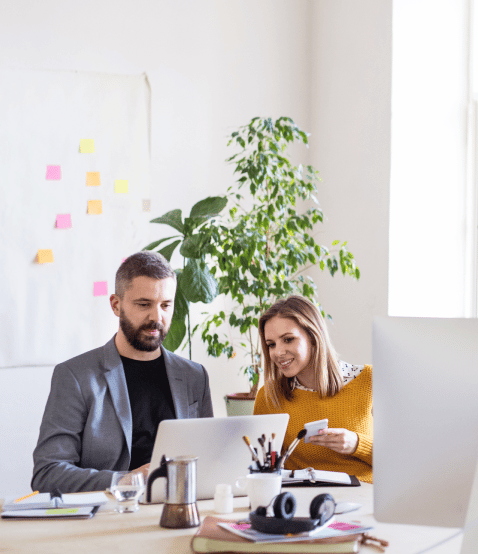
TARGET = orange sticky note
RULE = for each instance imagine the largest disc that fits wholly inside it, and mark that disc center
(93, 179)
(45, 256)
(87, 146)
(95, 207)
(121, 185)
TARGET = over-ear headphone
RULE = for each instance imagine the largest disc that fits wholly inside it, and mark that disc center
(322, 508)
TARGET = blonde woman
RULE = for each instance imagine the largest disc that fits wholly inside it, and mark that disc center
(304, 378)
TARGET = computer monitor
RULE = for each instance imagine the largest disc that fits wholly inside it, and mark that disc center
(425, 410)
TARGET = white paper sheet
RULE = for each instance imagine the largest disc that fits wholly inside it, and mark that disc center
(48, 311)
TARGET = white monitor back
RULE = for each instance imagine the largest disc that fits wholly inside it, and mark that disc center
(425, 404)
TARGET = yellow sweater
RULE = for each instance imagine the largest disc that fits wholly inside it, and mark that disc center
(349, 409)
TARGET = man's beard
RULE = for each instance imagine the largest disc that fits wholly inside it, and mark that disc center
(137, 339)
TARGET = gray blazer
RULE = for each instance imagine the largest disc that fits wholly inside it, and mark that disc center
(86, 431)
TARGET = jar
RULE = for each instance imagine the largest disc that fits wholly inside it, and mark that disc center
(223, 499)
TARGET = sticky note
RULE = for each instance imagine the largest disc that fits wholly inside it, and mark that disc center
(146, 205)
(87, 146)
(45, 256)
(53, 172)
(93, 179)
(61, 511)
(100, 288)
(121, 185)
(63, 221)
(95, 207)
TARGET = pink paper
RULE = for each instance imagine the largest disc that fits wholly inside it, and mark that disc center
(100, 288)
(343, 526)
(63, 221)
(53, 172)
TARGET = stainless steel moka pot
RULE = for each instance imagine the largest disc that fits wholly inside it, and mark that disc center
(180, 508)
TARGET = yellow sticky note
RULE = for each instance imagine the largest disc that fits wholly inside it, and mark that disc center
(93, 179)
(95, 207)
(45, 256)
(87, 146)
(121, 185)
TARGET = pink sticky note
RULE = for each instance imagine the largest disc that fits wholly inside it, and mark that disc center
(63, 221)
(100, 288)
(53, 172)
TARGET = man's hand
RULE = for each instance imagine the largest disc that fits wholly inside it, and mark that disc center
(342, 441)
(144, 470)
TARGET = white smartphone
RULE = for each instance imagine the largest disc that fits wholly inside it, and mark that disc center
(313, 427)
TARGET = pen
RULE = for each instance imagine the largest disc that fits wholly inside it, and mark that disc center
(293, 444)
(27, 496)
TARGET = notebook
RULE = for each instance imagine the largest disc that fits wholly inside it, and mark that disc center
(217, 442)
(44, 500)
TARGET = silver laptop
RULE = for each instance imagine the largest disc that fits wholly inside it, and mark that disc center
(217, 441)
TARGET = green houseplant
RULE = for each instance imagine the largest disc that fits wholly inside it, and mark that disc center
(263, 251)
(195, 281)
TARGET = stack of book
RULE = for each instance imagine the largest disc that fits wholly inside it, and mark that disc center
(221, 536)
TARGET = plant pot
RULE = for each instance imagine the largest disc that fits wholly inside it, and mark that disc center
(239, 403)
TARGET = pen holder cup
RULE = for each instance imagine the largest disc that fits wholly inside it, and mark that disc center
(260, 487)
(255, 469)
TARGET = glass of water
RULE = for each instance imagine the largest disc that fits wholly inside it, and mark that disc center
(127, 488)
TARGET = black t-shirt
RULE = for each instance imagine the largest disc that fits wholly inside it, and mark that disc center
(151, 402)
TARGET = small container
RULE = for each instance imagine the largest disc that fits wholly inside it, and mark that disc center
(223, 499)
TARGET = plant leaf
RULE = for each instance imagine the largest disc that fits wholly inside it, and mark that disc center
(192, 246)
(197, 284)
(181, 305)
(156, 243)
(209, 207)
(168, 250)
(175, 335)
(172, 218)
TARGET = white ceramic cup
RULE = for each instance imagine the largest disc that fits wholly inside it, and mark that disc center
(260, 487)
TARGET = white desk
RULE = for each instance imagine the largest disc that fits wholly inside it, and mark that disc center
(108, 531)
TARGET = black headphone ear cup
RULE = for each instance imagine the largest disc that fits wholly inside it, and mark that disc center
(322, 507)
(261, 511)
(285, 505)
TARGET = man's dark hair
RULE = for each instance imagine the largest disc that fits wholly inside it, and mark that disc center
(142, 264)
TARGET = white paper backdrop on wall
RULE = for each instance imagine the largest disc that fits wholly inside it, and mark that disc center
(48, 310)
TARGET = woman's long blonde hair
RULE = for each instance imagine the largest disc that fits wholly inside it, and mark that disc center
(324, 359)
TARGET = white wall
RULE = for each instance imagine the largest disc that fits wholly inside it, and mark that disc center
(213, 65)
(350, 145)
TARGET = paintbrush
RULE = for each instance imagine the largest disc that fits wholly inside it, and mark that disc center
(293, 444)
(260, 440)
(245, 438)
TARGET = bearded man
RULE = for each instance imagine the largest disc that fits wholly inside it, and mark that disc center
(105, 405)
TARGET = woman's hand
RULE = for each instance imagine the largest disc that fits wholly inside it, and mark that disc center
(342, 441)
